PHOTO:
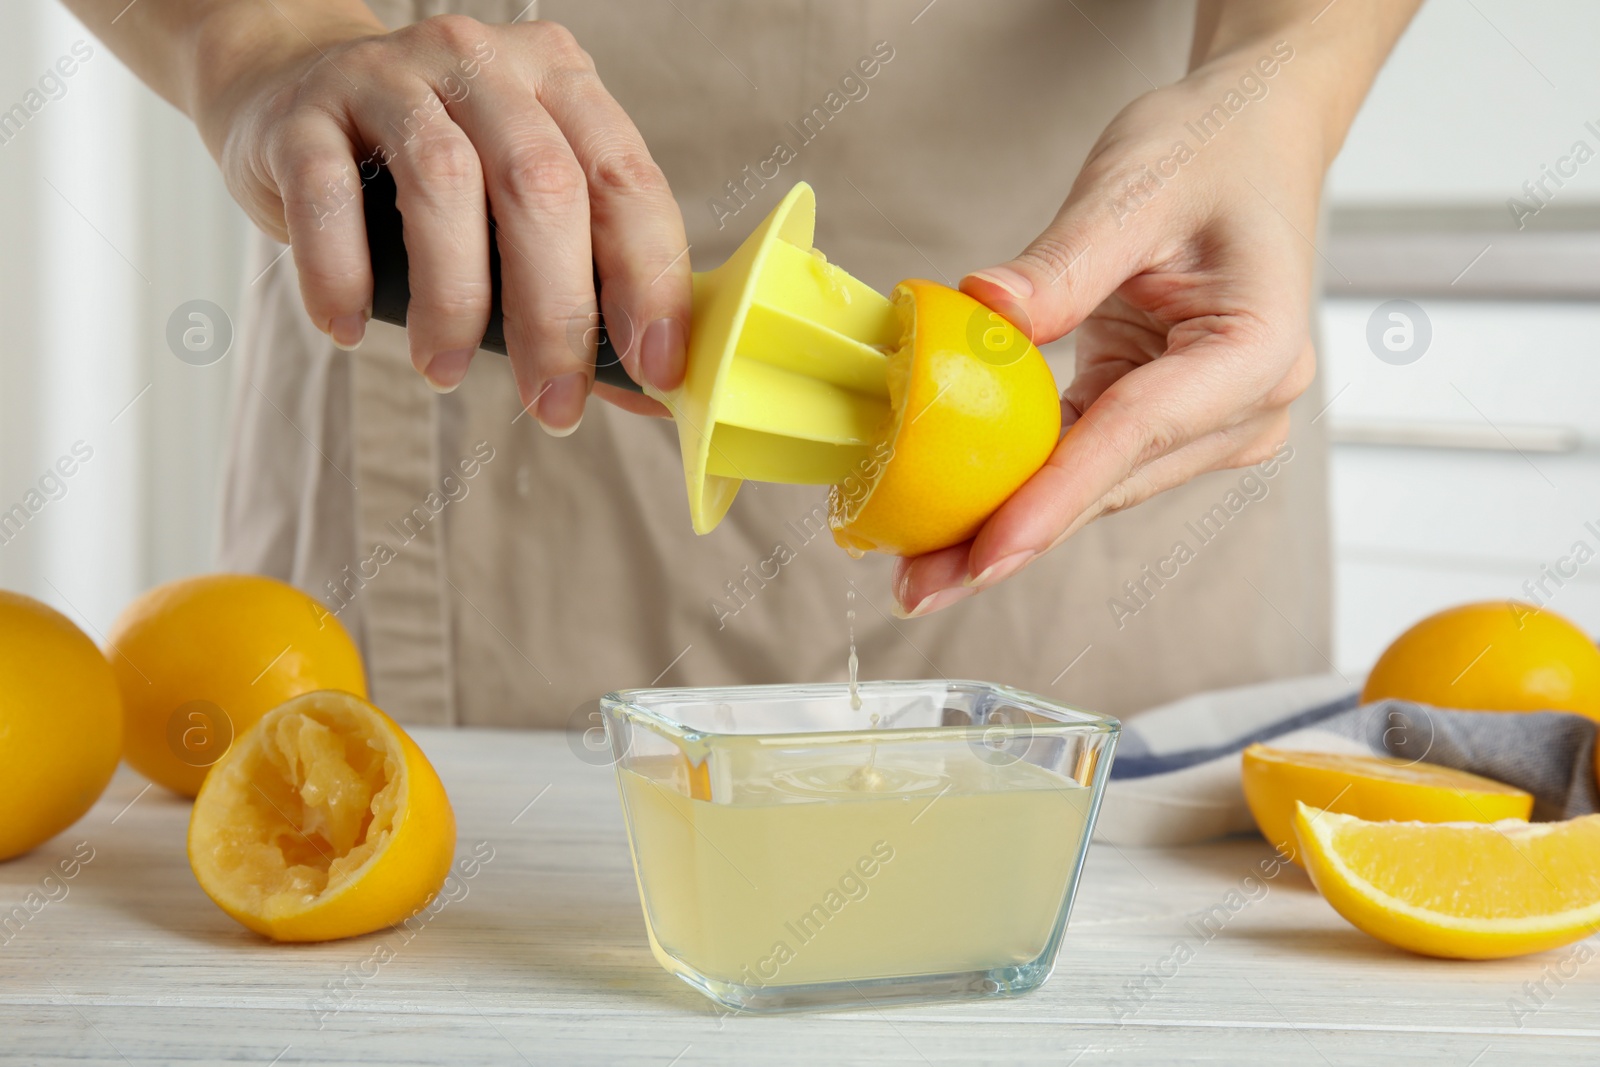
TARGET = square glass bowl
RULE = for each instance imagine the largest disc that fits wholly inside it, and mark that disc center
(794, 851)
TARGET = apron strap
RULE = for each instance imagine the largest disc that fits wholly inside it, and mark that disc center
(399, 535)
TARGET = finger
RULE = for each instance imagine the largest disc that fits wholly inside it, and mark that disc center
(637, 229)
(1239, 445)
(1114, 342)
(1251, 438)
(540, 205)
(1219, 379)
(1090, 382)
(934, 581)
(1243, 445)
(1103, 465)
(439, 191)
(924, 584)
(629, 401)
(312, 162)
(1155, 410)
(1054, 284)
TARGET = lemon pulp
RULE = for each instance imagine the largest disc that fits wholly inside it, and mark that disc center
(311, 805)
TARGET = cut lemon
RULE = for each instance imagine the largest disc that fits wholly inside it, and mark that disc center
(323, 821)
(974, 413)
(1370, 787)
(1460, 890)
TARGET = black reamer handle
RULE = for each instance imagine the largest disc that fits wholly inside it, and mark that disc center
(391, 286)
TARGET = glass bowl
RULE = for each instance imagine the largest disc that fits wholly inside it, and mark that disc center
(798, 849)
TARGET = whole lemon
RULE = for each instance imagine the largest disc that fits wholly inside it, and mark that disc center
(200, 660)
(1499, 655)
(60, 723)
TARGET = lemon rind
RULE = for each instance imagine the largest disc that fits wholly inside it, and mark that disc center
(1575, 920)
(1283, 757)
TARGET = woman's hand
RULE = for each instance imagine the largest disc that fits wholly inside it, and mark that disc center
(472, 120)
(1183, 259)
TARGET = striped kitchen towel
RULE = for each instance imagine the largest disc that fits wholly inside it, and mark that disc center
(1175, 779)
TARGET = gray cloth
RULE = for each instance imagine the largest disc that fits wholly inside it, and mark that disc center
(1548, 753)
(1176, 778)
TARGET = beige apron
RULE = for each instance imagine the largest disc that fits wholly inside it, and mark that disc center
(496, 576)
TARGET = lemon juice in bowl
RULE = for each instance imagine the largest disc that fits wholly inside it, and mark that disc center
(793, 853)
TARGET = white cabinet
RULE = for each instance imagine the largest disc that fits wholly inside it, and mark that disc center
(1419, 526)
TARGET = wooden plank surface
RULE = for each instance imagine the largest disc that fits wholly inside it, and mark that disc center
(540, 958)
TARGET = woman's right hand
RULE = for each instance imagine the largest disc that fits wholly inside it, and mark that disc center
(472, 120)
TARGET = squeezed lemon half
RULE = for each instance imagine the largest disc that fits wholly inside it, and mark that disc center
(324, 820)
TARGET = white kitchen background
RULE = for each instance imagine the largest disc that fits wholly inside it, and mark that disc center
(1463, 473)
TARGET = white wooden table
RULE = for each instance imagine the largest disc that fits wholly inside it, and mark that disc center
(541, 959)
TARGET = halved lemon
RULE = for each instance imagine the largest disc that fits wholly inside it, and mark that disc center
(324, 820)
(974, 413)
(1369, 787)
(1460, 890)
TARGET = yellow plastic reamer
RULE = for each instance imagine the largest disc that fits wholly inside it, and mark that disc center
(786, 378)
(787, 374)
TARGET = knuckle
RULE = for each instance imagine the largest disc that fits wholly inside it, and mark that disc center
(1302, 372)
(1053, 255)
(457, 33)
(365, 55)
(312, 91)
(327, 291)
(315, 190)
(446, 158)
(313, 177)
(558, 42)
(1283, 394)
(626, 170)
(543, 173)
(1125, 494)
(1138, 433)
(558, 341)
(569, 85)
(1265, 444)
(1082, 394)
(1159, 440)
(455, 303)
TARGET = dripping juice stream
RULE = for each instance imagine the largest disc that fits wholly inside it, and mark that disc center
(854, 661)
(866, 777)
